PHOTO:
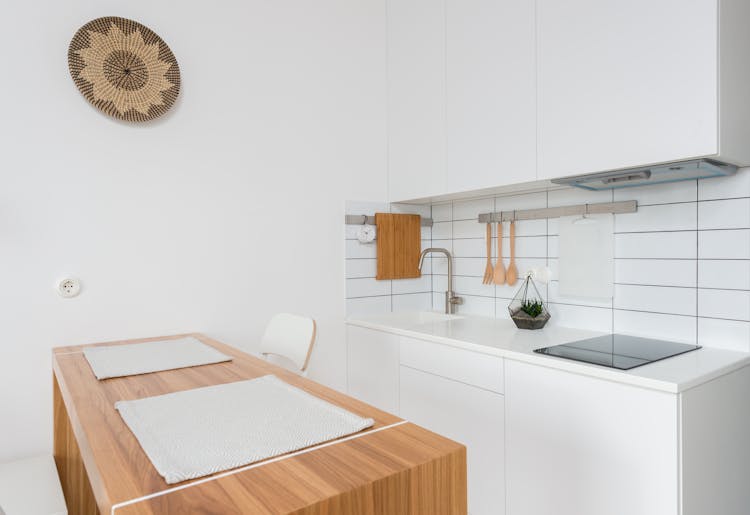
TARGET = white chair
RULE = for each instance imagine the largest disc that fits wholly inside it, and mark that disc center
(290, 337)
(31, 487)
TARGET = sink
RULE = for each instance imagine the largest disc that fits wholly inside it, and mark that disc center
(421, 317)
(426, 317)
(406, 319)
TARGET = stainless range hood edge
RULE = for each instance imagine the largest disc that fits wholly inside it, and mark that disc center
(646, 175)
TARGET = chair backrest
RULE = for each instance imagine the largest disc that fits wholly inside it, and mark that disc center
(290, 336)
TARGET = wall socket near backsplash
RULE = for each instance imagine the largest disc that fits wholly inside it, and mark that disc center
(682, 261)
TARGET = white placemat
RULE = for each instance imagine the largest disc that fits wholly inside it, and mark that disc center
(199, 432)
(142, 358)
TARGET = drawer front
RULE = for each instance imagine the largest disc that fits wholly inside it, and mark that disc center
(462, 365)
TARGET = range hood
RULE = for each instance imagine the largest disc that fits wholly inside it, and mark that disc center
(642, 176)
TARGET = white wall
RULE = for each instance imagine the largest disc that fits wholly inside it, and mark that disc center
(211, 219)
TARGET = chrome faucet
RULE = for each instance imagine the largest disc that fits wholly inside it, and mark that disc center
(451, 300)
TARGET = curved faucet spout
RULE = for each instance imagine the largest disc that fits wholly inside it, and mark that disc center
(450, 298)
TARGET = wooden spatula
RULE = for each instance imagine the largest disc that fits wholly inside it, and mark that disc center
(488, 267)
(499, 276)
(512, 275)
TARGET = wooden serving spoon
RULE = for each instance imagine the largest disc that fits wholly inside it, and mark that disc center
(499, 275)
(488, 267)
(512, 275)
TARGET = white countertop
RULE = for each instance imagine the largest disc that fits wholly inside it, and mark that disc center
(501, 338)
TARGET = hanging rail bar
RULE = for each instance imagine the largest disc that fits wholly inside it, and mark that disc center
(370, 220)
(626, 206)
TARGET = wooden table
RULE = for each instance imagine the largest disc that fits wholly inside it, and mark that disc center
(393, 468)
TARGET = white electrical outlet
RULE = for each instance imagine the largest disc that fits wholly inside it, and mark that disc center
(68, 287)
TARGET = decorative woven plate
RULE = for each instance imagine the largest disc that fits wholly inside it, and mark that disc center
(124, 69)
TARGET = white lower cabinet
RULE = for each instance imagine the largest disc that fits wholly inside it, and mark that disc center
(543, 441)
(467, 414)
(372, 367)
(583, 446)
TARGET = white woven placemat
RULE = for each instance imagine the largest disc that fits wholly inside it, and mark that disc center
(142, 358)
(198, 432)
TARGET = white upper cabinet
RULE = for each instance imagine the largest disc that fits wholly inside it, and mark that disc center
(461, 97)
(486, 93)
(416, 98)
(490, 93)
(623, 84)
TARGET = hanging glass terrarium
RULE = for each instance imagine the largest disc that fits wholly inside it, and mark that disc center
(527, 308)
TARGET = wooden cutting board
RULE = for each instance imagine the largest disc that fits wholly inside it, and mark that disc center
(399, 239)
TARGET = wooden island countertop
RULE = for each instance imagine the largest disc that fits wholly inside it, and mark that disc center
(392, 468)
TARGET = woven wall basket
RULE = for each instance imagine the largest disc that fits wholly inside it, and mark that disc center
(124, 69)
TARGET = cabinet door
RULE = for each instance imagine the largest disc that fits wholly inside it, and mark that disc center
(372, 367)
(623, 84)
(416, 98)
(490, 94)
(578, 445)
(469, 415)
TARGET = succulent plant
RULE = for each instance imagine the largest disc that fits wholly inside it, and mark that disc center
(532, 308)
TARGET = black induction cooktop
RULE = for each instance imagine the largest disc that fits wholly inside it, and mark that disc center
(618, 350)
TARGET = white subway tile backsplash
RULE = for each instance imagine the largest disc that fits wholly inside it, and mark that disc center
(475, 247)
(427, 266)
(734, 186)
(480, 306)
(666, 217)
(442, 230)
(439, 283)
(657, 299)
(369, 287)
(725, 244)
(470, 209)
(682, 267)
(472, 286)
(724, 214)
(359, 268)
(657, 245)
(727, 304)
(355, 249)
(442, 212)
(655, 325)
(438, 301)
(527, 228)
(524, 265)
(420, 285)
(351, 231)
(465, 266)
(724, 334)
(412, 302)
(553, 247)
(526, 247)
(442, 243)
(657, 272)
(554, 296)
(581, 317)
(685, 191)
(724, 274)
(440, 265)
(470, 229)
